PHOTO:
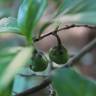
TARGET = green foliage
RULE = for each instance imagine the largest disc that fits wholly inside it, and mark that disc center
(68, 82)
(29, 14)
(6, 56)
(9, 25)
(10, 64)
(7, 91)
(77, 11)
(58, 55)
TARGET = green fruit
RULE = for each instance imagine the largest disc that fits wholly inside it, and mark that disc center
(58, 55)
(39, 62)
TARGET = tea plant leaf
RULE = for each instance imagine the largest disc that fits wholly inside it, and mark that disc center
(14, 66)
(29, 14)
(67, 82)
(6, 55)
(9, 25)
(7, 91)
(77, 11)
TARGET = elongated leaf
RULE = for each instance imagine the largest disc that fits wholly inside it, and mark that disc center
(9, 25)
(77, 11)
(7, 91)
(14, 66)
(29, 14)
(6, 55)
(67, 82)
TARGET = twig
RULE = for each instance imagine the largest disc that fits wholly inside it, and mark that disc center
(71, 62)
(66, 27)
(31, 75)
(78, 56)
(44, 84)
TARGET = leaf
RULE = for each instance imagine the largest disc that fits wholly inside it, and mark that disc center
(77, 11)
(67, 82)
(9, 25)
(6, 55)
(9, 71)
(29, 14)
(7, 91)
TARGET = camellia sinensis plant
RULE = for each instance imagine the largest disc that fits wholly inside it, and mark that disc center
(65, 80)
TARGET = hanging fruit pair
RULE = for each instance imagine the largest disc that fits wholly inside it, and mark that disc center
(39, 61)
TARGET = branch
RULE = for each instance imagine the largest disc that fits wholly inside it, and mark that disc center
(71, 62)
(44, 84)
(66, 27)
(83, 51)
(32, 75)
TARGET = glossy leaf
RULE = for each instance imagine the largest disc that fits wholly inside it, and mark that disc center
(9, 25)
(29, 14)
(77, 11)
(68, 82)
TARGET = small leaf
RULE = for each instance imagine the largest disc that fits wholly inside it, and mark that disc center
(9, 25)
(67, 82)
(29, 14)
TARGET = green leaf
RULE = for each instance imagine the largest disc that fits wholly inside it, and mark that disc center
(9, 25)
(6, 55)
(29, 14)
(77, 11)
(7, 91)
(11, 68)
(67, 82)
